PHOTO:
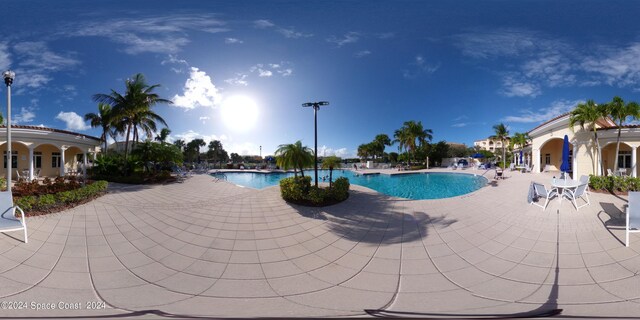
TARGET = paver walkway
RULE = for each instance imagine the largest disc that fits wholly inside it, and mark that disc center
(205, 248)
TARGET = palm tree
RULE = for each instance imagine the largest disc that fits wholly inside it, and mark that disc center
(330, 163)
(620, 111)
(587, 115)
(294, 156)
(164, 134)
(101, 119)
(133, 109)
(501, 133)
(179, 143)
(411, 132)
(400, 137)
(381, 141)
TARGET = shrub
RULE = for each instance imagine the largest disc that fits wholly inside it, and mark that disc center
(317, 195)
(340, 190)
(295, 188)
(48, 202)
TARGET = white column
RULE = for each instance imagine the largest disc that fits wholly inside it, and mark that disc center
(633, 162)
(84, 166)
(31, 162)
(600, 164)
(574, 161)
(535, 161)
(62, 161)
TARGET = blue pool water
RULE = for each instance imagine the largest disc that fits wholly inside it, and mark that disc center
(417, 186)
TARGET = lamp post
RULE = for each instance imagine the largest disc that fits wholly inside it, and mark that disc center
(8, 80)
(316, 107)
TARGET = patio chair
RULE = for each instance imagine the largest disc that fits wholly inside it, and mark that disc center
(18, 177)
(585, 179)
(499, 174)
(8, 220)
(512, 166)
(528, 169)
(633, 215)
(609, 172)
(579, 192)
(541, 192)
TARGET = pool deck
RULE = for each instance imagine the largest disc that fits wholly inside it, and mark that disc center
(210, 248)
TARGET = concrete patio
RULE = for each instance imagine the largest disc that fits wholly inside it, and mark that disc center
(205, 248)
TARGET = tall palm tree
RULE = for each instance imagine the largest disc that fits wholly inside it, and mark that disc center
(103, 119)
(179, 143)
(501, 133)
(587, 115)
(294, 156)
(620, 111)
(164, 134)
(412, 132)
(330, 163)
(133, 109)
(400, 136)
(381, 141)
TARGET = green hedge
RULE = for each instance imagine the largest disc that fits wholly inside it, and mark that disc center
(48, 202)
(299, 190)
(614, 183)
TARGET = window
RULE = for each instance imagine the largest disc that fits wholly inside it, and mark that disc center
(14, 159)
(37, 160)
(624, 159)
(55, 159)
(547, 158)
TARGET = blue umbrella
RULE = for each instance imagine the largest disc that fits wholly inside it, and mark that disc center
(521, 158)
(565, 166)
(478, 155)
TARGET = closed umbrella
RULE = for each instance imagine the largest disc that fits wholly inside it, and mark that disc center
(521, 158)
(478, 155)
(565, 166)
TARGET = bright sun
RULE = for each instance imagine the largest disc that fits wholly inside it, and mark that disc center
(239, 113)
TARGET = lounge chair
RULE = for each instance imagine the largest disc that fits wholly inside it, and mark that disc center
(633, 215)
(8, 220)
(541, 192)
(499, 174)
(579, 192)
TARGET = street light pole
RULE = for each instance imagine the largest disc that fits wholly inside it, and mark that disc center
(8, 80)
(316, 107)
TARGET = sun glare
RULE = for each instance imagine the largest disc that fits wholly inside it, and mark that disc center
(239, 113)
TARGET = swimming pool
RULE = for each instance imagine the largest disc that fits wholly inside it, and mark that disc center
(417, 186)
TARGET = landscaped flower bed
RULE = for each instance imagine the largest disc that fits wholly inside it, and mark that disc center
(614, 184)
(56, 196)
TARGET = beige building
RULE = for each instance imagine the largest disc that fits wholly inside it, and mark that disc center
(49, 152)
(489, 144)
(545, 150)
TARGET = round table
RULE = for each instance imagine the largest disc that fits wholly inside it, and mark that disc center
(564, 184)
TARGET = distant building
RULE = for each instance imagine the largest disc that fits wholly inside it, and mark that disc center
(489, 144)
(456, 145)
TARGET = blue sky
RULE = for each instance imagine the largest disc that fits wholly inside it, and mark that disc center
(459, 67)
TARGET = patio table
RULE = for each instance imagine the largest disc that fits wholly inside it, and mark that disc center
(564, 184)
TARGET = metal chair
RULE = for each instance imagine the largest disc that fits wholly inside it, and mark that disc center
(541, 192)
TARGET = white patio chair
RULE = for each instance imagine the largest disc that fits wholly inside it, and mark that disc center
(609, 172)
(579, 192)
(8, 220)
(18, 175)
(585, 179)
(541, 192)
(633, 215)
(512, 166)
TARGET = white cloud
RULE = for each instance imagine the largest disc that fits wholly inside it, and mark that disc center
(233, 41)
(5, 58)
(160, 34)
(204, 119)
(419, 67)
(349, 37)
(25, 115)
(199, 91)
(386, 35)
(556, 108)
(362, 53)
(73, 121)
(513, 87)
(617, 66)
(325, 151)
(286, 72)
(496, 43)
(36, 64)
(262, 24)
(291, 33)
(459, 125)
(174, 60)
(240, 79)
(264, 73)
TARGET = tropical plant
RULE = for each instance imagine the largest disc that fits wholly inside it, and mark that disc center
(180, 144)
(164, 134)
(103, 119)
(235, 158)
(192, 149)
(587, 115)
(133, 109)
(620, 111)
(412, 135)
(331, 163)
(380, 142)
(501, 133)
(366, 150)
(216, 152)
(294, 156)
